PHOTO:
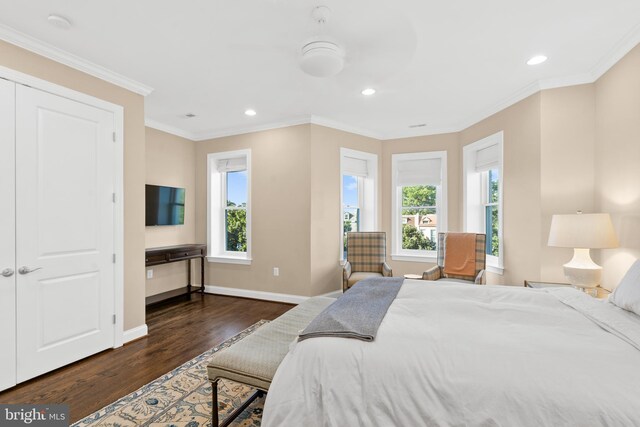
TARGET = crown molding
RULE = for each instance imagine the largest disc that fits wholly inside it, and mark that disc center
(34, 45)
(333, 124)
(411, 133)
(241, 130)
(169, 129)
(622, 48)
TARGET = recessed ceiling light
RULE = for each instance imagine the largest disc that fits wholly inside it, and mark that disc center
(538, 59)
(250, 112)
(59, 21)
(368, 91)
(189, 115)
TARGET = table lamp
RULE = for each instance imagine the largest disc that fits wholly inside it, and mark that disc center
(582, 232)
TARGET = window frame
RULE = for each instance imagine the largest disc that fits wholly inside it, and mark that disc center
(217, 208)
(416, 255)
(367, 194)
(472, 179)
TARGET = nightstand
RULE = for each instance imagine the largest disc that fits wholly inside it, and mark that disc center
(598, 292)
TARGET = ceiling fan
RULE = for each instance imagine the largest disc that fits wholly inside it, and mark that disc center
(344, 43)
(320, 56)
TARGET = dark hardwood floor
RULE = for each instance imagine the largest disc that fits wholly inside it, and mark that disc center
(178, 331)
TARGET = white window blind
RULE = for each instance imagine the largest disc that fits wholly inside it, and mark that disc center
(419, 172)
(354, 167)
(488, 158)
(234, 164)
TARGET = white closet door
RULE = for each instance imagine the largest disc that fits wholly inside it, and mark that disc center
(7, 237)
(65, 229)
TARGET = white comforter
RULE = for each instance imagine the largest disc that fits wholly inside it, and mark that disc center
(462, 355)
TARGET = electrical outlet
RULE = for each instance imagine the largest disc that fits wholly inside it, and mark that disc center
(276, 271)
(150, 273)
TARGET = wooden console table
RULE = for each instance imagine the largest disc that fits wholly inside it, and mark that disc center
(167, 254)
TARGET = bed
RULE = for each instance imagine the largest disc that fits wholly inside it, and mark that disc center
(464, 355)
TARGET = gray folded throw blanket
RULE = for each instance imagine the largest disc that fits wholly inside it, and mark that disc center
(358, 312)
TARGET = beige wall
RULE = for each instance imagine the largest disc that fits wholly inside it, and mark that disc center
(444, 142)
(326, 235)
(134, 161)
(281, 204)
(171, 161)
(617, 154)
(567, 172)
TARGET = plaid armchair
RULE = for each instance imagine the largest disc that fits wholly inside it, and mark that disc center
(437, 272)
(366, 253)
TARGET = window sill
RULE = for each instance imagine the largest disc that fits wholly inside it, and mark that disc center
(495, 269)
(413, 258)
(229, 260)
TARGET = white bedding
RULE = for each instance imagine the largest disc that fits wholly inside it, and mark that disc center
(463, 355)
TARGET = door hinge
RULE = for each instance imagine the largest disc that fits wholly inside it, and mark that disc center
(114, 137)
(114, 319)
(113, 197)
(114, 258)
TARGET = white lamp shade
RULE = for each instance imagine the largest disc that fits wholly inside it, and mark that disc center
(588, 231)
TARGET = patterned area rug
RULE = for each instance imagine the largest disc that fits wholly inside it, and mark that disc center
(181, 398)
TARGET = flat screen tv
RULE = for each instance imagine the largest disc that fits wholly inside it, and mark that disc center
(164, 205)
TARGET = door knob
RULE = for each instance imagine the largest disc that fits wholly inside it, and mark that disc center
(7, 272)
(27, 270)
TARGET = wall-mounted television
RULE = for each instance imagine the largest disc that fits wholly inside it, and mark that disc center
(164, 205)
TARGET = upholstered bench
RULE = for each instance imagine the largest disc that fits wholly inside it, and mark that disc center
(254, 359)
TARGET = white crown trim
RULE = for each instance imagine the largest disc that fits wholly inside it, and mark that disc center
(334, 124)
(240, 130)
(34, 45)
(169, 129)
(622, 48)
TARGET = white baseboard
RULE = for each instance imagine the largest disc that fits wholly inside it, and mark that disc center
(246, 293)
(135, 333)
(332, 294)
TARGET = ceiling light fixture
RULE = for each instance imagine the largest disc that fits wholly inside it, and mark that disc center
(538, 59)
(250, 112)
(321, 57)
(368, 91)
(59, 21)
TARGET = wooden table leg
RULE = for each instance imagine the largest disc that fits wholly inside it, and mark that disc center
(202, 275)
(189, 279)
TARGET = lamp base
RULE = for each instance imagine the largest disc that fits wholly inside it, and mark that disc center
(581, 271)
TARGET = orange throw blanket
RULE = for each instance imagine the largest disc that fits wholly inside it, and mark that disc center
(460, 254)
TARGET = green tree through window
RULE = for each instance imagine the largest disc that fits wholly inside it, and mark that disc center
(418, 211)
(236, 228)
(492, 220)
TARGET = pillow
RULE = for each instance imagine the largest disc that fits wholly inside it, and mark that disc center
(627, 294)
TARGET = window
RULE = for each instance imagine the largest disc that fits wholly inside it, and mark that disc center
(491, 197)
(230, 207)
(235, 229)
(358, 193)
(351, 205)
(483, 195)
(419, 204)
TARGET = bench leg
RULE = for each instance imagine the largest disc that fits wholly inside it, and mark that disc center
(232, 416)
(214, 403)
